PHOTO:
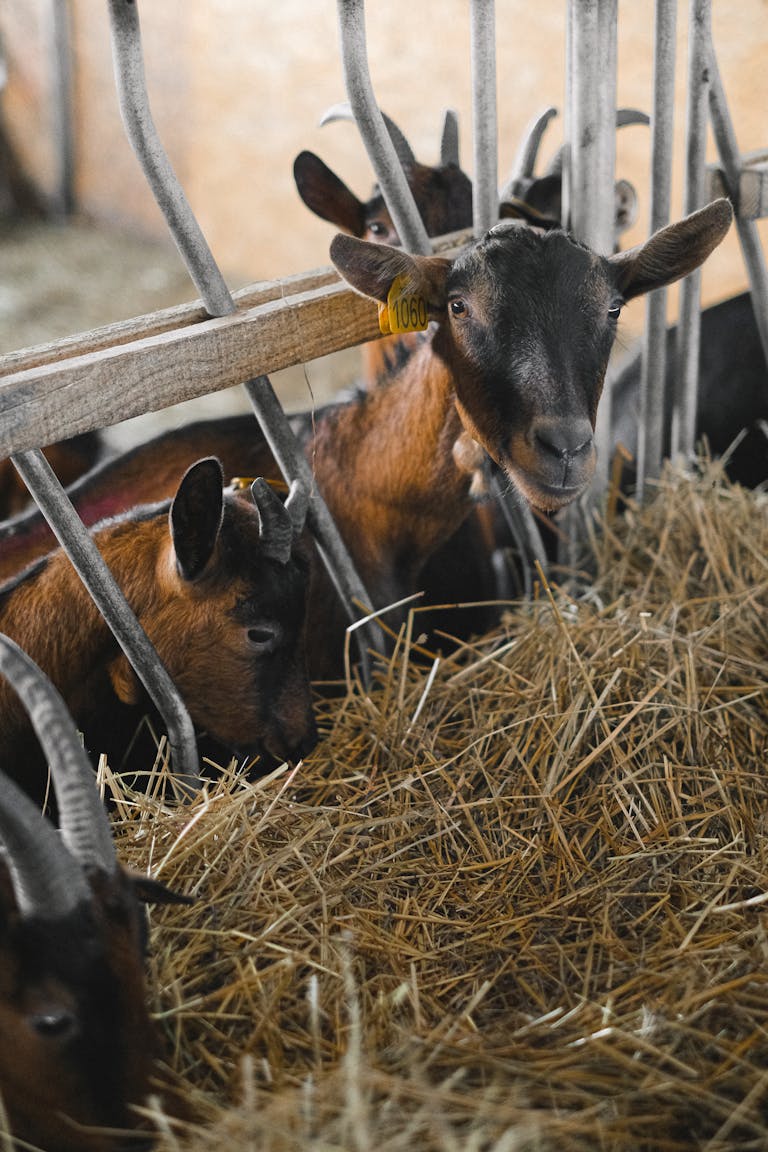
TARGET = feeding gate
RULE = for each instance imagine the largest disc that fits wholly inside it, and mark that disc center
(231, 338)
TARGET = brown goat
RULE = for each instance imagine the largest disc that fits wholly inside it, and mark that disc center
(69, 460)
(220, 589)
(443, 196)
(513, 366)
(76, 1042)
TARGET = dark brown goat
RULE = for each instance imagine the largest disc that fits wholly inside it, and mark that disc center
(69, 460)
(220, 590)
(513, 366)
(76, 1042)
(443, 196)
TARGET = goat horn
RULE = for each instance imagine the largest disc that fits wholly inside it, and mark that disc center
(525, 161)
(402, 147)
(83, 823)
(449, 141)
(275, 527)
(297, 505)
(624, 117)
(47, 880)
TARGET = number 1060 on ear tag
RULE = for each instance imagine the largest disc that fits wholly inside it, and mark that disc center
(403, 312)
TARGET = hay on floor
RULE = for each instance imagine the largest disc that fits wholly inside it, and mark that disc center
(517, 898)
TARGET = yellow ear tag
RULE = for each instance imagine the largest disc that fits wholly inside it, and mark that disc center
(403, 313)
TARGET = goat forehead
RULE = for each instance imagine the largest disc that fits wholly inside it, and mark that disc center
(524, 269)
(274, 591)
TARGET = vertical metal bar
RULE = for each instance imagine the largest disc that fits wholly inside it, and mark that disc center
(654, 353)
(566, 185)
(485, 213)
(294, 466)
(591, 121)
(141, 131)
(134, 104)
(381, 152)
(61, 106)
(689, 326)
(485, 195)
(749, 237)
(93, 571)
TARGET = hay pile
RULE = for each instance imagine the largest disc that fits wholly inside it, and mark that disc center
(515, 900)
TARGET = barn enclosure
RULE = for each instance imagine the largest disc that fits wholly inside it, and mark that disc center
(514, 898)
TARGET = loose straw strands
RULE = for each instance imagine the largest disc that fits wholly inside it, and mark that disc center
(516, 898)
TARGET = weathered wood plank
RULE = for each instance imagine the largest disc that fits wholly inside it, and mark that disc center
(155, 323)
(48, 402)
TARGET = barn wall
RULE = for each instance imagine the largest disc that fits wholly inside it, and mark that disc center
(237, 87)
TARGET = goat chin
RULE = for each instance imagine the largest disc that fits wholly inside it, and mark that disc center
(544, 497)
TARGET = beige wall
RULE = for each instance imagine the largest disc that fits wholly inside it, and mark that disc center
(237, 87)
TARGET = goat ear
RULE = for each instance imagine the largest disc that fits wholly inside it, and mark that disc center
(326, 195)
(371, 268)
(540, 203)
(195, 517)
(627, 207)
(124, 681)
(672, 252)
(151, 891)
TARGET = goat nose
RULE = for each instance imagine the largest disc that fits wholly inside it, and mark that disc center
(564, 439)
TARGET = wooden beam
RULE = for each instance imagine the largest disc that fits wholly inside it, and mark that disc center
(44, 402)
(152, 324)
(98, 378)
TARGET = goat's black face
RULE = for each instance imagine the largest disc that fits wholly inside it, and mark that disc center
(526, 322)
(529, 324)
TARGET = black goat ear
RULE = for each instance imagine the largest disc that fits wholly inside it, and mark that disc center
(672, 252)
(325, 194)
(195, 517)
(371, 268)
(151, 891)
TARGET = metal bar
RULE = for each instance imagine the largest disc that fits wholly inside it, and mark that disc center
(749, 237)
(592, 120)
(381, 152)
(53, 502)
(294, 466)
(134, 104)
(684, 401)
(654, 348)
(485, 195)
(591, 124)
(141, 131)
(485, 213)
(61, 107)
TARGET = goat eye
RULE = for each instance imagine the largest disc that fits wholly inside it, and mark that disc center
(614, 312)
(264, 638)
(54, 1025)
(458, 307)
(377, 228)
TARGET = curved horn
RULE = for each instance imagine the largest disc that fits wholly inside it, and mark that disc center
(83, 823)
(297, 505)
(449, 141)
(525, 161)
(624, 117)
(275, 527)
(402, 147)
(47, 881)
